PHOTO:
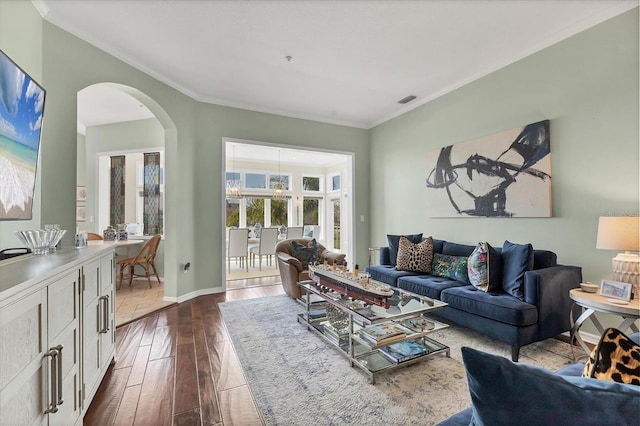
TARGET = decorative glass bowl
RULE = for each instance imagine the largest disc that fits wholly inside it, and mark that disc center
(41, 241)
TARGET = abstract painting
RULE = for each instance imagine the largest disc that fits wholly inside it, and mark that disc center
(507, 174)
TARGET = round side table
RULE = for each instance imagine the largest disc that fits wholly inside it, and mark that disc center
(594, 302)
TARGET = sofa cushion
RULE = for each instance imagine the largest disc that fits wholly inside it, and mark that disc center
(455, 249)
(503, 392)
(394, 241)
(306, 253)
(615, 358)
(438, 245)
(516, 260)
(499, 307)
(544, 259)
(448, 266)
(427, 285)
(484, 268)
(415, 257)
(388, 274)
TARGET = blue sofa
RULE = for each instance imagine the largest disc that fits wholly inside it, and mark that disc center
(501, 394)
(542, 313)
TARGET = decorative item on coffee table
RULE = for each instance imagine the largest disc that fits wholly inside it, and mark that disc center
(360, 331)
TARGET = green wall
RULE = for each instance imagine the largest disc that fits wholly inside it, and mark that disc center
(587, 86)
(216, 122)
(21, 39)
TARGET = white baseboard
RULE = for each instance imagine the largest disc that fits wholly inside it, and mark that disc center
(193, 295)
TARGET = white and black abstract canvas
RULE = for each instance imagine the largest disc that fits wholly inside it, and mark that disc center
(507, 174)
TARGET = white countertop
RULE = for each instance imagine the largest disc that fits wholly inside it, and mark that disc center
(18, 273)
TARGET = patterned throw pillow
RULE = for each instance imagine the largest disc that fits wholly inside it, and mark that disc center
(484, 268)
(306, 253)
(454, 267)
(415, 257)
(616, 358)
(394, 242)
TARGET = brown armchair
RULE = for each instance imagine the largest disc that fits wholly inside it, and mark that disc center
(291, 270)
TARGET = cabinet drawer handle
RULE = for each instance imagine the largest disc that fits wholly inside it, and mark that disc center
(60, 373)
(53, 379)
(107, 315)
(104, 305)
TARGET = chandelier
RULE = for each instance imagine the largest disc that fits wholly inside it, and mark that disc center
(234, 185)
(278, 185)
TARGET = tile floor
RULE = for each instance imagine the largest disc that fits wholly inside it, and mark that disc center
(138, 300)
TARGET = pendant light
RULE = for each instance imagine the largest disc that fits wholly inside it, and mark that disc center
(234, 185)
(278, 185)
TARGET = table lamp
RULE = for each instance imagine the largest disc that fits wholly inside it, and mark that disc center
(622, 233)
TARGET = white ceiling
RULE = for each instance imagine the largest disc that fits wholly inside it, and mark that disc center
(351, 60)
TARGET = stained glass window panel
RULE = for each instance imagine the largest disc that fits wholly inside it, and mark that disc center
(117, 178)
(152, 207)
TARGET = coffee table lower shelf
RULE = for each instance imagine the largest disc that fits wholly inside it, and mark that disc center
(369, 359)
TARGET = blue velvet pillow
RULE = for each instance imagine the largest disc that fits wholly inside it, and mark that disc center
(394, 242)
(454, 267)
(508, 393)
(516, 260)
(484, 269)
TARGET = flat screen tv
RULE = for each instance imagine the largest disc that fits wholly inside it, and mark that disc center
(21, 108)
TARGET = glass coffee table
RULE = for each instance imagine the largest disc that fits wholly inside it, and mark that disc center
(374, 338)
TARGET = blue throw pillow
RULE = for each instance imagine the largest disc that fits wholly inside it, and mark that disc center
(394, 242)
(508, 393)
(484, 269)
(516, 260)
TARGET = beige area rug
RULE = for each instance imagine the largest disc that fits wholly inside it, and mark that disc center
(296, 378)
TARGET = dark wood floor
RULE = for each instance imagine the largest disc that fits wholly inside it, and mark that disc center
(178, 367)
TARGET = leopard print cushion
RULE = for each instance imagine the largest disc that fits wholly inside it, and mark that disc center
(616, 358)
(415, 257)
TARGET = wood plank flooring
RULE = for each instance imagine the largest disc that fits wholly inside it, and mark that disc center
(178, 367)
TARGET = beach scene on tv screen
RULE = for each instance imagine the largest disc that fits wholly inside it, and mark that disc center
(21, 107)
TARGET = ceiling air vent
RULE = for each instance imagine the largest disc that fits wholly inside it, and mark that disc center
(406, 100)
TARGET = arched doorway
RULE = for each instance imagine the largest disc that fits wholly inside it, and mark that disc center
(126, 111)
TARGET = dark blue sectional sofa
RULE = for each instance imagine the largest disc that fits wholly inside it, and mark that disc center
(560, 398)
(543, 312)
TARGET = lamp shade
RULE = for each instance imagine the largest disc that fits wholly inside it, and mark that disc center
(619, 233)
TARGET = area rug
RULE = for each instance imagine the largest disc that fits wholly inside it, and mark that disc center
(297, 378)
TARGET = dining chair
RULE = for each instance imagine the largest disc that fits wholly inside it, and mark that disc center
(238, 247)
(144, 259)
(294, 232)
(92, 236)
(266, 247)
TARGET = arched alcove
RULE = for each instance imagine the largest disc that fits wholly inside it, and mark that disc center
(169, 139)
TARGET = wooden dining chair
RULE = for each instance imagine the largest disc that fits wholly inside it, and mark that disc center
(266, 247)
(144, 259)
(92, 236)
(238, 247)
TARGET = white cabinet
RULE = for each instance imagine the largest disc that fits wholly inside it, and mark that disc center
(39, 355)
(63, 322)
(98, 323)
(24, 373)
(56, 334)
